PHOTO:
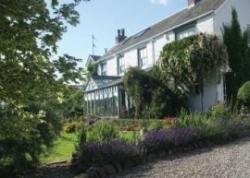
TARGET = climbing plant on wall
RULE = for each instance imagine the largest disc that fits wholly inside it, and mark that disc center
(187, 62)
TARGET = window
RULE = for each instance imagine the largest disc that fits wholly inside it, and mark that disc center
(104, 68)
(120, 64)
(186, 31)
(142, 57)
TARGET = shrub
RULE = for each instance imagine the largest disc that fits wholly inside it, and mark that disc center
(219, 110)
(244, 94)
(103, 131)
(165, 139)
(98, 154)
(155, 125)
(72, 126)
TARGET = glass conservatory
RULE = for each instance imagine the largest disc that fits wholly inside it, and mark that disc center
(105, 97)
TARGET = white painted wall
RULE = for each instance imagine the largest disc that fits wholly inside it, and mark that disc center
(205, 25)
(160, 42)
(213, 92)
(224, 14)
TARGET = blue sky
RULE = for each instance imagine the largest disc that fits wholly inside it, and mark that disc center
(103, 17)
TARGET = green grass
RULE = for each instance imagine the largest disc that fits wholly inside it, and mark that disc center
(61, 150)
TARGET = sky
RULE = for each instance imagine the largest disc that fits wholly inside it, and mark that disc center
(102, 18)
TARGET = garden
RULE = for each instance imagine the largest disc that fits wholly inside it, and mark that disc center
(108, 146)
(41, 113)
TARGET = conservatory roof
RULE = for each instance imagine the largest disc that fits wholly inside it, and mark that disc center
(101, 82)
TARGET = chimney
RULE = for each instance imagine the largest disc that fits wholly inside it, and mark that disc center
(192, 3)
(120, 36)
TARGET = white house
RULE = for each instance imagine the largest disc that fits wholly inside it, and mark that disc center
(104, 95)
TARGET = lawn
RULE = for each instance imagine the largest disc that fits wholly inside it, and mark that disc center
(62, 149)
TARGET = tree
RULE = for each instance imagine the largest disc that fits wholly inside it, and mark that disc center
(31, 83)
(239, 58)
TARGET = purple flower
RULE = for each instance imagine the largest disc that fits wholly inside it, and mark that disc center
(165, 139)
(94, 153)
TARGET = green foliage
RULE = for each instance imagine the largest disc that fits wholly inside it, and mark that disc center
(72, 127)
(31, 104)
(219, 110)
(239, 57)
(72, 102)
(92, 69)
(244, 94)
(61, 149)
(102, 131)
(188, 61)
(155, 125)
(152, 99)
(139, 85)
(217, 125)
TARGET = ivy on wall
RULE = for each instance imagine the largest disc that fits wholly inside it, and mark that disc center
(187, 62)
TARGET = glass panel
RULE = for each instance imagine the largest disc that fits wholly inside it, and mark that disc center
(121, 64)
(186, 33)
(142, 57)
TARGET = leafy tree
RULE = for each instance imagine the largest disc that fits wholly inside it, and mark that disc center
(73, 102)
(239, 58)
(31, 83)
(92, 69)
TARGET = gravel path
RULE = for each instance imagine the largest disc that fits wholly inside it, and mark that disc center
(231, 161)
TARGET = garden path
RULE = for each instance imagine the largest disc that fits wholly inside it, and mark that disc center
(231, 161)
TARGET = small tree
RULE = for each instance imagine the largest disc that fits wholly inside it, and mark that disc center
(239, 58)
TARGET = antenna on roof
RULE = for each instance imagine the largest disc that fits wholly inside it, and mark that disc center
(93, 43)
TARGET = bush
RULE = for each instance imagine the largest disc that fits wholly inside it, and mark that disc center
(166, 139)
(155, 125)
(244, 94)
(73, 126)
(99, 154)
(219, 110)
(103, 131)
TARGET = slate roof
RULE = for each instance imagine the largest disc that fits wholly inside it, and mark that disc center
(201, 8)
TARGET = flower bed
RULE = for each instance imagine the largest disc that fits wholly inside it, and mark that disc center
(188, 132)
(165, 139)
(105, 153)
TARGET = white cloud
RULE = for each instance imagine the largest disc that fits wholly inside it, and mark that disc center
(161, 2)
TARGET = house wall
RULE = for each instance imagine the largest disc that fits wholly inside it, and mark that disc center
(223, 15)
(213, 89)
(206, 25)
(213, 92)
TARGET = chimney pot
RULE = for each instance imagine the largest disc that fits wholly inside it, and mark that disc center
(192, 3)
(120, 35)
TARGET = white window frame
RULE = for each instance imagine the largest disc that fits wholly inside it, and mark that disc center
(142, 57)
(120, 64)
(104, 68)
(186, 31)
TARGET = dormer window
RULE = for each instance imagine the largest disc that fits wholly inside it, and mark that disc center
(142, 57)
(120, 64)
(103, 68)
